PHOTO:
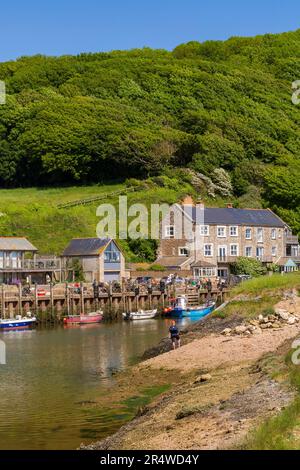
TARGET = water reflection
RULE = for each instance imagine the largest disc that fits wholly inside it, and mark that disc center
(51, 373)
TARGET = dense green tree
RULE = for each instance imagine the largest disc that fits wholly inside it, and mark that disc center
(133, 114)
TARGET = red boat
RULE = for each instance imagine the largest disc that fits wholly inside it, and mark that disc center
(95, 317)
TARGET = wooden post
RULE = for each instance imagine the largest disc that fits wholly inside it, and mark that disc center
(36, 306)
(51, 299)
(2, 302)
(123, 296)
(20, 300)
(68, 299)
(81, 298)
(110, 293)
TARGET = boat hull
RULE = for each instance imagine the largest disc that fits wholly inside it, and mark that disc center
(17, 324)
(190, 313)
(83, 319)
(197, 313)
(140, 316)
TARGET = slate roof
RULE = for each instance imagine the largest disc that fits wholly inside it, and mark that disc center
(203, 264)
(16, 244)
(86, 246)
(232, 216)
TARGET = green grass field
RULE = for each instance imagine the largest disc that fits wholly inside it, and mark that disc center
(33, 213)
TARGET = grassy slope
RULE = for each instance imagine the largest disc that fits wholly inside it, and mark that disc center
(281, 432)
(259, 296)
(33, 213)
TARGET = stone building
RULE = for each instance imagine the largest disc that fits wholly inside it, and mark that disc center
(209, 240)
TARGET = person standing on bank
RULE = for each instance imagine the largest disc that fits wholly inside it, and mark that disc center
(174, 335)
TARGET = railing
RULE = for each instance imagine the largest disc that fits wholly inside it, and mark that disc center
(227, 259)
(40, 264)
(233, 259)
(292, 240)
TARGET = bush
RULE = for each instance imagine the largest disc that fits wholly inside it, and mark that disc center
(144, 249)
(249, 267)
(157, 267)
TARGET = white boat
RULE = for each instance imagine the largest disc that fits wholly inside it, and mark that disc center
(141, 315)
(17, 323)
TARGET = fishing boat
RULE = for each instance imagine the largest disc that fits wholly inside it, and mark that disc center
(182, 310)
(17, 323)
(95, 317)
(141, 315)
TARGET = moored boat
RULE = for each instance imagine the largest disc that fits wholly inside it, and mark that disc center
(182, 310)
(95, 317)
(17, 323)
(142, 315)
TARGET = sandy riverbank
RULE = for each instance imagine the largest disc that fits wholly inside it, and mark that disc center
(218, 412)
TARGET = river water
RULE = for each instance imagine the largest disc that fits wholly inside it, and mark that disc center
(51, 372)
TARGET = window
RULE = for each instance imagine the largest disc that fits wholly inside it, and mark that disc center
(208, 250)
(221, 232)
(223, 273)
(274, 234)
(274, 250)
(260, 235)
(222, 252)
(183, 251)
(111, 256)
(204, 230)
(295, 251)
(209, 272)
(248, 251)
(233, 231)
(234, 250)
(170, 231)
(259, 253)
(248, 233)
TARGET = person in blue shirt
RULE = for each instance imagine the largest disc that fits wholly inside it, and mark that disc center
(174, 335)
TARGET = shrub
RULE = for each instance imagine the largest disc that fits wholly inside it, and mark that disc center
(157, 267)
(249, 267)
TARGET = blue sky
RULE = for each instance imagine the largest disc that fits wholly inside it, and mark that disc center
(59, 27)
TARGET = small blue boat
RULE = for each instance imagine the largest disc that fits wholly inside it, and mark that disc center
(181, 310)
(17, 323)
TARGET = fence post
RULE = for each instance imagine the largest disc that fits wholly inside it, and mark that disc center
(81, 298)
(3, 302)
(51, 299)
(20, 300)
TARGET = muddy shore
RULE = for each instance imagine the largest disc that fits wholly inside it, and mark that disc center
(220, 388)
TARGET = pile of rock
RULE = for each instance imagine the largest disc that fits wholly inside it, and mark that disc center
(278, 320)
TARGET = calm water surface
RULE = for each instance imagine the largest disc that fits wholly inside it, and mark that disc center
(51, 372)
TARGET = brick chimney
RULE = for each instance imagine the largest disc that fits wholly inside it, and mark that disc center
(230, 205)
(188, 201)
